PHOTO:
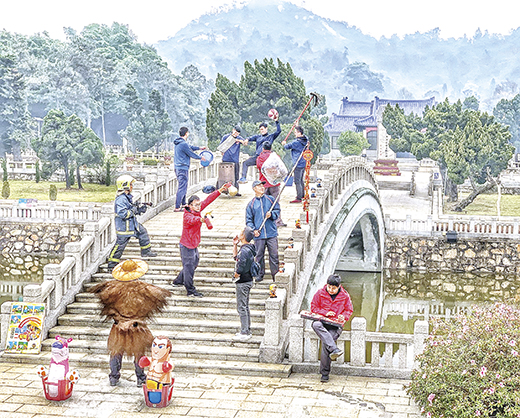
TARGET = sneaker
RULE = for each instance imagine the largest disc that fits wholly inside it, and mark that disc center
(113, 382)
(238, 195)
(242, 337)
(243, 180)
(177, 284)
(281, 225)
(195, 294)
(335, 354)
(149, 254)
(141, 382)
(259, 279)
(324, 379)
(295, 201)
(178, 209)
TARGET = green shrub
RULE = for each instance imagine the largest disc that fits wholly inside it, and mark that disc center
(38, 174)
(149, 161)
(470, 366)
(4, 170)
(6, 190)
(53, 192)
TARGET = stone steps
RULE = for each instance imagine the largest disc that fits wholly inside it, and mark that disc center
(201, 329)
(80, 333)
(164, 324)
(184, 365)
(171, 311)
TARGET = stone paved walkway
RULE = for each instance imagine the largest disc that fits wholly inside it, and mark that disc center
(21, 395)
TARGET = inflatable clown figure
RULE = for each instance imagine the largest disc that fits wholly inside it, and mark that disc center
(159, 381)
(58, 380)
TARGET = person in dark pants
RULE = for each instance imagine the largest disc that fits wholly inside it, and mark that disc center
(260, 139)
(270, 189)
(183, 153)
(232, 155)
(256, 211)
(297, 147)
(126, 222)
(334, 302)
(190, 240)
(243, 280)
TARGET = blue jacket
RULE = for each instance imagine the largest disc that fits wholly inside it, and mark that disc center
(232, 155)
(183, 153)
(255, 213)
(297, 148)
(125, 220)
(260, 139)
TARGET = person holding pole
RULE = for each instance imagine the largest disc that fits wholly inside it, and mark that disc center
(261, 215)
(297, 147)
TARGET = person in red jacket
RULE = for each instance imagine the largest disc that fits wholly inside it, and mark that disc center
(190, 239)
(334, 302)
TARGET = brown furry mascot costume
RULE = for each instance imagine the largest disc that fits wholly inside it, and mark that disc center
(129, 302)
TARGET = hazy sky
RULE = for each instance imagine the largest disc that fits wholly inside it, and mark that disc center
(154, 20)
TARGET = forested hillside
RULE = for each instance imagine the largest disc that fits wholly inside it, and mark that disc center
(339, 60)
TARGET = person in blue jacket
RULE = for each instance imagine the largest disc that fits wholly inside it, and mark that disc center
(232, 155)
(256, 211)
(126, 222)
(297, 147)
(260, 139)
(183, 153)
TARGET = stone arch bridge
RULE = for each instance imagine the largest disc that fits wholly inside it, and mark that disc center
(345, 228)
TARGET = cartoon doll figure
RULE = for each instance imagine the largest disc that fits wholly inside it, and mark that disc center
(160, 367)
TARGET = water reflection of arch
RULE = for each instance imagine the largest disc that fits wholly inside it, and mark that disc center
(358, 206)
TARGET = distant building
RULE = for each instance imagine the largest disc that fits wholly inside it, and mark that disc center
(366, 117)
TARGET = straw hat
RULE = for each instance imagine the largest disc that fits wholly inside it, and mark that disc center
(129, 270)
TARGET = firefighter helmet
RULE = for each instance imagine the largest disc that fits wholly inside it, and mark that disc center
(124, 182)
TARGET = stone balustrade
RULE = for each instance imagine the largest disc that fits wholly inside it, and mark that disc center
(358, 346)
(465, 226)
(82, 259)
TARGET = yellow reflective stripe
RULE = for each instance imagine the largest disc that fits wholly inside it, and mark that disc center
(146, 246)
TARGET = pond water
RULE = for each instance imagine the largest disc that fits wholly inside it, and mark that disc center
(392, 301)
(18, 271)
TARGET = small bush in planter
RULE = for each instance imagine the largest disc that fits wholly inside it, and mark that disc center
(471, 365)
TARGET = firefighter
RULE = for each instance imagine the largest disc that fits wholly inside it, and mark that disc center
(126, 222)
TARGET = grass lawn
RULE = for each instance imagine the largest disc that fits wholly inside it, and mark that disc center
(486, 204)
(40, 191)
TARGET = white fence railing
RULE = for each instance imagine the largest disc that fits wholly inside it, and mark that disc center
(374, 353)
(465, 226)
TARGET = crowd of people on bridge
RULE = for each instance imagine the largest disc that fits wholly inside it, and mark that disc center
(262, 220)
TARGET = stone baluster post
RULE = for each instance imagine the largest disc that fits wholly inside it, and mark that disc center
(358, 341)
(420, 333)
(5, 315)
(296, 339)
(271, 349)
(151, 179)
(50, 272)
(73, 249)
(91, 229)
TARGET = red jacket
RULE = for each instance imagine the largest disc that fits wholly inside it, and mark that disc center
(260, 160)
(192, 221)
(322, 303)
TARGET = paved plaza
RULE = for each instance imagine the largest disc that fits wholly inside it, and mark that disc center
(300, 395)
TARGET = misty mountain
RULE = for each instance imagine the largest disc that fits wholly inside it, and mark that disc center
(338, 60)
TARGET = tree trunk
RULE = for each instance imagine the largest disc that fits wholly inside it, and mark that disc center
(78, 178)
(488, 185)
(66, 169)
(451, 190)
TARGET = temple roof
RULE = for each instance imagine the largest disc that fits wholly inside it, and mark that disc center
(354, 115)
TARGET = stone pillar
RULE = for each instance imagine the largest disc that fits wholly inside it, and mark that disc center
(73, 249)
(271, 347)
(5, 316)
(91, 229)
(296, 339)
(358, 341)
(52, 272)
(420, 333)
